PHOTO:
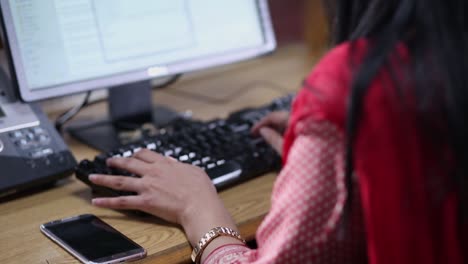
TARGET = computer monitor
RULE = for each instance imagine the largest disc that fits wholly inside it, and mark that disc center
(63, 47)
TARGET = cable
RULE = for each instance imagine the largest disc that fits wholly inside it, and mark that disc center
(234, 95)
(68, 115)
(160, 86)
(168, 83)
(65, 117)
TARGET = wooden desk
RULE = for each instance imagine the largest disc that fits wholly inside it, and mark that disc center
(209, 94)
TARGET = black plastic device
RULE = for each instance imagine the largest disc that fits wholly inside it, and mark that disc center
(32, 153)
(224, 148)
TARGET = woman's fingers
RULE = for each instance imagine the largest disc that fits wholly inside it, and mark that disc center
(122, 202)
(120, 183)
(131, 165)
(162, 190)
(277, 120)
(148, 156)
(273, 138)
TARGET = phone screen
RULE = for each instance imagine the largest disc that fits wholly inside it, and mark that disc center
(92, 238)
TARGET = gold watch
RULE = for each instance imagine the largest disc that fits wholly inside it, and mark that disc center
(210, 236)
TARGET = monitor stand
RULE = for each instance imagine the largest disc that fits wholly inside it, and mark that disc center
(131, 114)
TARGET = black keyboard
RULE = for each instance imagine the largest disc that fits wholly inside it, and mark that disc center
(224, 148)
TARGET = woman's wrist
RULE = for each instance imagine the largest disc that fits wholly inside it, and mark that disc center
(217, 244)
(214, 234)
(200, 218)
(197, 220)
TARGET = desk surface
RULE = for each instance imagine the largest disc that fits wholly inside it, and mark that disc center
(208, 94)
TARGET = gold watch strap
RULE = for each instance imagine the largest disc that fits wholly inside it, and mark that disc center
(210, 236)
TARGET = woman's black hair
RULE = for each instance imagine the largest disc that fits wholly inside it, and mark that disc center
(436, 35)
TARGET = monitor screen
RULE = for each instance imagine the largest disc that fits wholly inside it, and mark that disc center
(61, 47)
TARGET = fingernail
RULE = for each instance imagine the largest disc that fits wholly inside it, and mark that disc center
(92, 177)
(96, 201)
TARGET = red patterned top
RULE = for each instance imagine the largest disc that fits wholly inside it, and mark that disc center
(392, 220)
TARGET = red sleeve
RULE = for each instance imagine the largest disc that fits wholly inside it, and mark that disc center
(307, 203)
(323, 97)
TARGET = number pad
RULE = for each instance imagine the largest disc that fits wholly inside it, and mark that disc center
(30, 138)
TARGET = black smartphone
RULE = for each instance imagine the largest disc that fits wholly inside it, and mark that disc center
(91, 240)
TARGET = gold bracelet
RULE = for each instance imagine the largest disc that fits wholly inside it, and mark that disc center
(210, 236)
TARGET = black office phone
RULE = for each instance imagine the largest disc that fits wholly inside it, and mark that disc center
(32, 153)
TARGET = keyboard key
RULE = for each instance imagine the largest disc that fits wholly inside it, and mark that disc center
(184, 158)
(240, 128)
(23, 143)
(177, 150)
(135, 150)
(38, 130)
(44, 139)
(16, 134)
(151, 146)
(225, 172)
(101, 158)
(169, 153)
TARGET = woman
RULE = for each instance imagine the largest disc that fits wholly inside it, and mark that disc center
(375, 153)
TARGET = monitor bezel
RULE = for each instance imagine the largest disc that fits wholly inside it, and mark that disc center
(157, 71)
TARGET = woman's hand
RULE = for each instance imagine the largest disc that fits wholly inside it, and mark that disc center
(174, 191)
(272, 127)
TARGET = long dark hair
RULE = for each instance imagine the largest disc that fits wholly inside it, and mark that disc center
(436, 34)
